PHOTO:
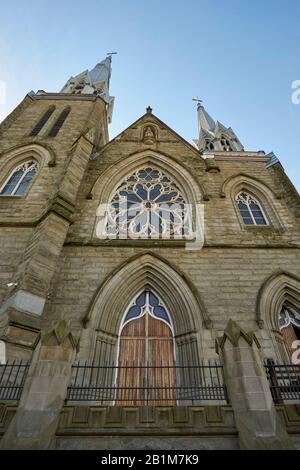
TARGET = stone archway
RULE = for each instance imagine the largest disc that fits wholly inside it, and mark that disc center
(100, 337)
(279, 289)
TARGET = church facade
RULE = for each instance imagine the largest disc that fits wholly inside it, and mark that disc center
(150, 287)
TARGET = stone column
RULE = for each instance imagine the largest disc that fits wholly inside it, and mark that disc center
(36, 419)
(258, 424)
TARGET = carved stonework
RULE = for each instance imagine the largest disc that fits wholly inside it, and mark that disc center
(149, 135)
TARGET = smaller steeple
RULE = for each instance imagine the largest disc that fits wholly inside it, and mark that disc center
(93, 82)
(213, 136)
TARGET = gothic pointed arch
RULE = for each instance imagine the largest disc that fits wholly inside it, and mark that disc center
(277, 289)
(177, 293)
(239, 178)
(109, 179)
(278, 309)
(261, 192)
(44, 154)
(19, 167)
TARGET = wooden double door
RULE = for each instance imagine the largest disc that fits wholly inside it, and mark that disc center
(290, 334)
(146, 374)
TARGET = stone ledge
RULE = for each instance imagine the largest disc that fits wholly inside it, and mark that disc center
(155, 420)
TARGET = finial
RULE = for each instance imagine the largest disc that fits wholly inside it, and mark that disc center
(149, 109)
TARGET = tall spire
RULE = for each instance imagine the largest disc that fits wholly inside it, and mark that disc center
(213, 136)
(94, 82)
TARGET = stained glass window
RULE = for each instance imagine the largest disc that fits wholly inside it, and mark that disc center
(289, 315)
(18, 181)
(148, 203)
(147, 302)
(250, 210)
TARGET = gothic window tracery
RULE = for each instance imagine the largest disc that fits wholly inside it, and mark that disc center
(147, 302)
(250, 209)
(20, 178)
(148, 203)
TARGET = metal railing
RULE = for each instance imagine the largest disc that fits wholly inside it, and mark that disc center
(146, 384)
(12, 378)
(284, 380)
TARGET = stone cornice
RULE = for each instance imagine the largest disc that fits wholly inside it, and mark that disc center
(66, 97)
(178, 244)
(59, 205)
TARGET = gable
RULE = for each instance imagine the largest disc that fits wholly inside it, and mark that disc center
(149, 132)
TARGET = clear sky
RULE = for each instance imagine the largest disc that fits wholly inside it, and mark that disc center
(239, 56)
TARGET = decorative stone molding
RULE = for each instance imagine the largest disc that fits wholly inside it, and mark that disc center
(146, 271)
(133, 275)
(149, 134)
(60, 334)
(41, 152)
(281, 286)
(246, 179)
(107, 182)
(233, 333)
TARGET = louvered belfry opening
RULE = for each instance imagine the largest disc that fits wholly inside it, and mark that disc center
(59, 122)
(40, 124)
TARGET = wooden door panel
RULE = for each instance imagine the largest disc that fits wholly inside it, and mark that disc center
(135, 328)
(146, 342)
(158, 328)
(162, 377)
(130, 380)
(289, 336)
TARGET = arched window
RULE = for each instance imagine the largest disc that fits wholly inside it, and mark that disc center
(289, 322)
(250, 209)
(59, 122)
(146, 353)
(20, 178)
(148, 204)
(225, 143)
(209, 145)
(38, 127)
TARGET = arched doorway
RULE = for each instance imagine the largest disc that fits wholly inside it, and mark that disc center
(146, 358)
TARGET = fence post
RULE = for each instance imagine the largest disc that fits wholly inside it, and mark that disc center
(258, 424)
(35, 422)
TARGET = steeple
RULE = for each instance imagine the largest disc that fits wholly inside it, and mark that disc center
(213, 136)
(95, 82)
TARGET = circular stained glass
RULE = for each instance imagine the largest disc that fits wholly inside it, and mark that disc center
(148, 204)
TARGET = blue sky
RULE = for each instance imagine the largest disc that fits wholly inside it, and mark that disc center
(240, 57)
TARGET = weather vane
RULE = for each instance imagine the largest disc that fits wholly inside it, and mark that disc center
(111, 53)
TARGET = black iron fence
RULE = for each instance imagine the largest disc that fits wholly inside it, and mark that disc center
(12, 378)
(284, 380)
(147, 384)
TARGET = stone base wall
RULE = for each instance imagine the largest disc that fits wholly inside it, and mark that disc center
(164, 427)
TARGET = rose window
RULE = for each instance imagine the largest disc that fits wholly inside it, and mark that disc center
(148, 204)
